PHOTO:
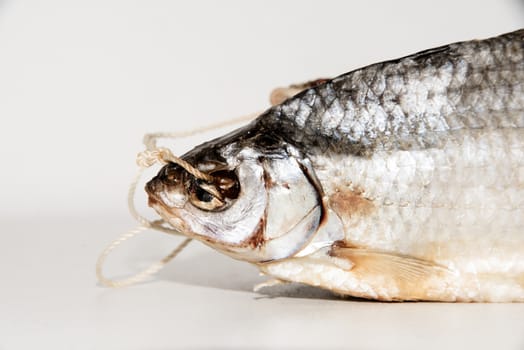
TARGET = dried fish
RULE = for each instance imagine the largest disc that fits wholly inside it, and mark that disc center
(403, 180)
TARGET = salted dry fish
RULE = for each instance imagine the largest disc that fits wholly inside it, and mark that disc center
(403, 180)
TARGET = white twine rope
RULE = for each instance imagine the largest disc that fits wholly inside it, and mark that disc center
(145, 159)
(142, 275)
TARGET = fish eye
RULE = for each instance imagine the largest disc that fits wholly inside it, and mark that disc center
(215, 195)
(201, 198)
(202, 195)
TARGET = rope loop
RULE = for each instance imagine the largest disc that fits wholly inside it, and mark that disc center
(140, 276)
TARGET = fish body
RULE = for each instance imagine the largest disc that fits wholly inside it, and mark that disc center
(403, 180)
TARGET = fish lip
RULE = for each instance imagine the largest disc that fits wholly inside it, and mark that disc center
(168, 214)
(154, 201)
(152, 186)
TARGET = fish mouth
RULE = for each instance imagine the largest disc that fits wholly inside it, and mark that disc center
(174, 216)
(156, 190)
(153, 188)
(169, 215)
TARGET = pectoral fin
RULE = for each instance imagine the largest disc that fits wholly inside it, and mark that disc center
(410, 276)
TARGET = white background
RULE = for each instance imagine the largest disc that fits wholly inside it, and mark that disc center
(82, 81)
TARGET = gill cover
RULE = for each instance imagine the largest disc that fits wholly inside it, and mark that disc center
(293, 209)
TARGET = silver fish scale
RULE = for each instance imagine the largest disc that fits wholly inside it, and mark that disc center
(412, 103)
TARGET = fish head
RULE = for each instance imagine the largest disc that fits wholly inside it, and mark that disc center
(260, 205)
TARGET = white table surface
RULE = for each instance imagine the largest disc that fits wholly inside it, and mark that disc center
(81, 81)
(50, 299)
